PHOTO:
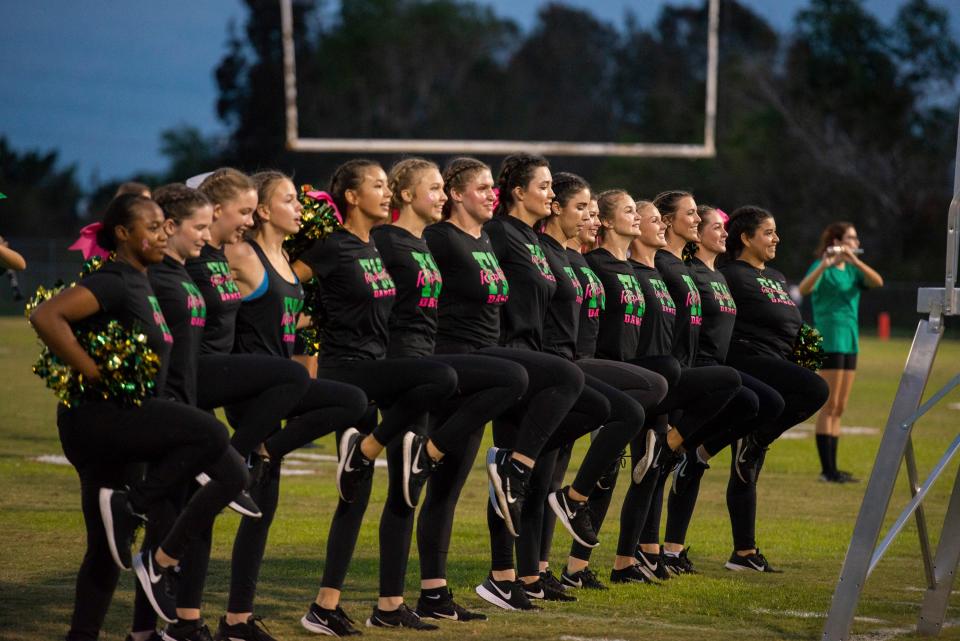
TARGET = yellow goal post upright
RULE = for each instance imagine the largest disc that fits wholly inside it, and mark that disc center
(896, 448)
(499, 147)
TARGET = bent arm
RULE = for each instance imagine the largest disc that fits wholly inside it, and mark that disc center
(809, 282)
(9, 258)
(871, 278)
(52, 319)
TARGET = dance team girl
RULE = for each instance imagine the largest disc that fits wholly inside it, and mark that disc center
(447, 300)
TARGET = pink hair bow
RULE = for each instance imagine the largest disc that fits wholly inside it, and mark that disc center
(496, 198)
(325, 197)
(723, 215)
(87, 242)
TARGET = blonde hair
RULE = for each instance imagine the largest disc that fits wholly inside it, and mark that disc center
(226, 184)
(607, 202)
(265, 182)
(404, 175)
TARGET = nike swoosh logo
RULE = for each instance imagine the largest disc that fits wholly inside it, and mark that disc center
(322, 621)
(535, 595)
(415, 468)
(505, 595)
(758, 568)
(389, 625)
(154, 578)
(452, 617)
(431, 596)
(651, 566)
(578, 583)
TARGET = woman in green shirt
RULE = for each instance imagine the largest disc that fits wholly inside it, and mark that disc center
(835, 281)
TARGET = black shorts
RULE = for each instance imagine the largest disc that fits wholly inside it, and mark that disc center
(838, 360)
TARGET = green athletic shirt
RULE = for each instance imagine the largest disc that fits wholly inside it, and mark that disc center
(836, 300)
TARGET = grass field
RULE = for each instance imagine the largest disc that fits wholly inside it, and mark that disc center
(804, 528)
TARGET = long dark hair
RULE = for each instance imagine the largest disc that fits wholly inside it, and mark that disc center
(121, 212)
(744, 220)
(516, 171)
(349, 175)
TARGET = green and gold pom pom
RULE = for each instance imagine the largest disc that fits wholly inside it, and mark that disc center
(311, 340)
(689, 251)
(127, 364)
(42, 294)
(808, 349)
(318, 219)
(92, 264)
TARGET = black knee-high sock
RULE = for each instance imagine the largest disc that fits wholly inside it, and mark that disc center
(834, 441)
(823, 450)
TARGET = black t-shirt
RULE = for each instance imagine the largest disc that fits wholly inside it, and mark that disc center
(356, 295)
(211, 273)
(622, 315)
(186, 313)
(533, 283)
(413, 320)
(656, 332)
(593, 304)
(686, 296)
(267, 320)
(767, 318)
(562, 323)
(474, 287)
(124, 294)
(719, 313)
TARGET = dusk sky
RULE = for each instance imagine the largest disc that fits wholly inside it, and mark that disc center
(99, 80)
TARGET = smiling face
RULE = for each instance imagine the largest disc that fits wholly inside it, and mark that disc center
(713, 234)
(685, 220)
(477, 197)
(282, 209)
(591, 224)
(574, 215)
(762, 246)
(371, 199)
(187, 237)
(537, 195)
(145, 238)
(624, 221)
(850, 238)
(426, 197)
(233, 217)
(652, 228)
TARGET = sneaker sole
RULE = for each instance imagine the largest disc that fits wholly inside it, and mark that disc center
(147, 586)
(736, 567)
(316, 628)
(565, 520)
(342, 462)
(106, 515)
(501, 507)
(492, 598)
(643, 465)
(202, 479)
(737, 463)
(407, 462)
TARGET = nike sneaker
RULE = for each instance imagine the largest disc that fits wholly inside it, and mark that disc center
(755, 562)
(508, 595)
(250, 630)
(575, 517)
(652, 564)
(333, 623)
(647, 460)
(585, 579)
(630, 574)
(417, 467)
(540, 590)
(508, 487)
(120, 523)
(195, 630)
(243, 503)
(352, 467)
(438, 603)
(688, 473)
(748, 458)
(402, 617)
(159, 585)
(680, 563)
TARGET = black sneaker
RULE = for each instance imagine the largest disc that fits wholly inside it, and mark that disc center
(679, 564)
(417, 467)
(439, 604)
(551, 582)
(508, 595)
(647, 460)
(748, 458)
(334, 623)
(847, 476)
(120, 523)
(195, 630)
(585, 578)
(630, 574)
(609, 478)
(508, 487)
(249, 631)
(574, 516)
(539, 590)
(353, 467)
(687, 473)
(402, 617)
(153, 637)
(159, 585)
(755, 562)
(653, 564)
(242, 504)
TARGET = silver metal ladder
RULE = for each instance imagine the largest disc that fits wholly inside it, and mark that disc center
(896, 446)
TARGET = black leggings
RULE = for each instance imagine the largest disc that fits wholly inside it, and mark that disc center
(404, 389)
(802, 393)
(328, 406)
(179, 441)
(485, 388)
(272, 386)
(756, 404)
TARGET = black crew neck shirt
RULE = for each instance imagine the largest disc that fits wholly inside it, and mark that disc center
(767, 318)
(412, 326)
(593, 303)
(562, 323)
(532, 282)
(474, 287)
(656, 332)
(356, 294)
(621, 319)
(124, 294)
(719, 313)
(211, 274)
(686, 296)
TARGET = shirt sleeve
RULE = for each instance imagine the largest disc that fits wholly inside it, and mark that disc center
(322, 257)
(108, 289)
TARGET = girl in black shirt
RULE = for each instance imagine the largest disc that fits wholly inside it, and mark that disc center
(266, 325)
(763, 335)
(356, 294)
(101, 437)
(486, 387)
(474, 290)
